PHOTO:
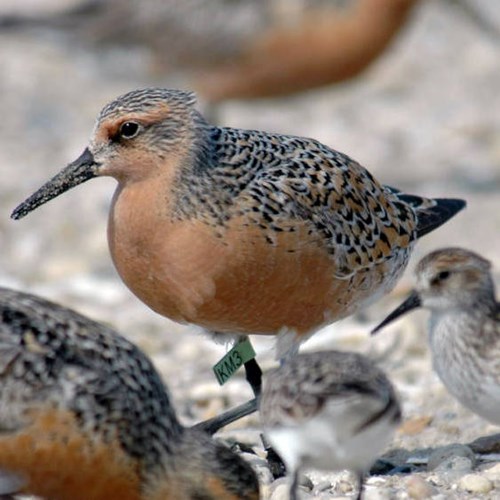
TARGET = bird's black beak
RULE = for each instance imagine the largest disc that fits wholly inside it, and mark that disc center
(81, 170)
(412, 302)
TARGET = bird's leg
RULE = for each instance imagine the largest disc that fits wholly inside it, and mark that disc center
(276, 465)
(294, 487)
(360, 476)
(242, 353)
(212, 425)
(253, 374)
(254, 378)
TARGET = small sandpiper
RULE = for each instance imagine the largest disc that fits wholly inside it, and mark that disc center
(330, 411)
(456, 285)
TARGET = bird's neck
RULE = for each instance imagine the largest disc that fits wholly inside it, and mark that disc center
(202, 150)
(201, 186)
(461, 325)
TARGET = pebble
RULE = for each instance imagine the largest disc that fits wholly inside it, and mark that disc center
(436, 480)
(282, 492)
(305, 482)
(418, 488)
(376, 480)
(373, 493)
(323, 486)
(486, 444)
(328, 496)
(493, 473)
(260, 466)
(475, 483)
(344, 487)
(203, 393)
(455, 466)
(415, 425)
(453, 458)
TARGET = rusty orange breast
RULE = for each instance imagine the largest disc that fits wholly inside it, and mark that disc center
(59, 461)
(232, 280)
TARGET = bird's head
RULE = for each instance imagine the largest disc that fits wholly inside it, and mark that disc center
(448, 279)
(134, 137)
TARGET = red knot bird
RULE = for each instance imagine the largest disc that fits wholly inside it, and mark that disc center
(241, 231)
(328, 410)
(242, 49)
(238, 49)
(456, 286)
(85, 416)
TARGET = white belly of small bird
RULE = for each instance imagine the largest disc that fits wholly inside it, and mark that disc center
(460, 366)
(332, 440)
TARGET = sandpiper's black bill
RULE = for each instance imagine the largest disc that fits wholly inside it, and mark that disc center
(81, 170)
(412, 302)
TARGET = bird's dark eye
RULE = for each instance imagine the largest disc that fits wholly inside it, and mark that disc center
(129, 130)
(443, 275)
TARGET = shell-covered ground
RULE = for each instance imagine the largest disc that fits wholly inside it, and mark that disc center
(425, 118)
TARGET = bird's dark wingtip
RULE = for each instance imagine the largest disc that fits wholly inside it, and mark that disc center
(441, 212)
(453, 204)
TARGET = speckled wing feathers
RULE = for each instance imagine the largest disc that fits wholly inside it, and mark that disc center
(62, 352)
(325, 378)
(84, 414)
(283, 184)
(333, 195)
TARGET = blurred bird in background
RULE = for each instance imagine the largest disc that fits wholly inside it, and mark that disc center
(241, 49)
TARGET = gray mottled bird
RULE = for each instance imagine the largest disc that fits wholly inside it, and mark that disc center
(328, 410)
(84, 415)
(456, 286)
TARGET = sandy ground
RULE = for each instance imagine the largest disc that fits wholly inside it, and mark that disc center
(424, 118)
